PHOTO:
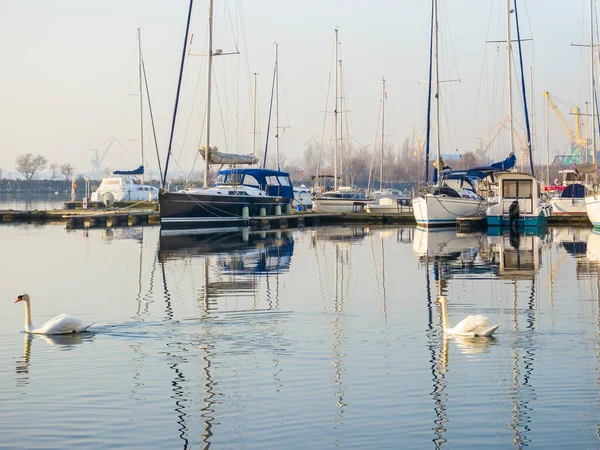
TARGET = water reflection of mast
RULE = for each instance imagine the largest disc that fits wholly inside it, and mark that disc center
(22, 364)
(597, 339)
(438, 359)
(383, 281)
(338, 337)
(179, 380)
(520, 392)
(147, 297)
(207, 410)
(382, 292)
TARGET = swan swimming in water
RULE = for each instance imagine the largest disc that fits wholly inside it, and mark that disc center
(475, 326)
(61, 324)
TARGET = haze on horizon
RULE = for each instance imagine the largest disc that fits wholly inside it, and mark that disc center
(70, 74)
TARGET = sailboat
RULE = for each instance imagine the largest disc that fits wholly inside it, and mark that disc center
(441, 205)
(519, 194)
(592, 201)
(340, 198)
(237, 193)
(128, 185)
(386, 200)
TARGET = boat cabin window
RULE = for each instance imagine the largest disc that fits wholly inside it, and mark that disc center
(221, 178)
(234, 178)
(284, 181)
(229, 178)
(272, 180)
(517, 189)
(249, 180)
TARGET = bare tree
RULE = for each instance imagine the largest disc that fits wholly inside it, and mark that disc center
(29, 165)
(66, 170)
(53, 170)
(0, 173)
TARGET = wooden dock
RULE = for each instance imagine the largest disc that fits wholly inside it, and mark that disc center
(81, 218)
(107, 218)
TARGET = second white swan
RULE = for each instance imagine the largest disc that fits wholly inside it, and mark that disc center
(475, 326)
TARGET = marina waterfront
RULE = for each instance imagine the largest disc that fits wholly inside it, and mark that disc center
(315, 338)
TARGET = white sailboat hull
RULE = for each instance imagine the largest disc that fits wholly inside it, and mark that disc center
(340, 205)
(434, 210)
(592, 206)
(124, 189)
(568, 206)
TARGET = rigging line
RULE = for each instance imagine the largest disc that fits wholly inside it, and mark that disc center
(152, 118)
(524, 91)
(237, 108)
(374, 144)
(249, 72)
(581, 56)
(188, 125)
(221, 113)
(187, 29)
(269, 120)
(325, 116)
(349, 149)
(428, 127)
(451, 42)
(458, 215)
(235, 43)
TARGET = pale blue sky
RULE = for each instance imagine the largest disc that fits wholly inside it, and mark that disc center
(70, 67)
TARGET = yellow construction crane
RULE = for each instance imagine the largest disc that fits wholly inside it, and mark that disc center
(578, 143)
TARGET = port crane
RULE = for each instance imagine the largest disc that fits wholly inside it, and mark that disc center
(579, 144)
(97, 158)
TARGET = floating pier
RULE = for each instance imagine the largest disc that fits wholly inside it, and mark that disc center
(82, 218)
(107, 218)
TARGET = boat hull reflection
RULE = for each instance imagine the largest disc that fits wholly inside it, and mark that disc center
(241, 251)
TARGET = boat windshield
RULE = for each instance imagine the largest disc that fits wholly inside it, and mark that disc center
(229, 178)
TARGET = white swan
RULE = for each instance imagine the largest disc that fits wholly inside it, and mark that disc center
(475, 326)
(62, 324)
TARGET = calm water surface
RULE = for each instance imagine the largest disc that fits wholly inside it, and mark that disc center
(314, 339)
(30, 202)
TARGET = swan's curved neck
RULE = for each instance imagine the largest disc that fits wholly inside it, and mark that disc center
(444, 316)
(28, 325)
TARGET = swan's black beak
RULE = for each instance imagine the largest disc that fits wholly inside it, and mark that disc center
(19, 298)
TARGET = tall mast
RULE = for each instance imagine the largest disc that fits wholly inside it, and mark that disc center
(335, 115)
(587, 132)
(509, 73)
(341, 104)
(208, 91)
(254, 119)
(592, 81)
(437, 92)
(531, 146)
(141, 101)
(277, 104)
(382, 132)
(547, 144)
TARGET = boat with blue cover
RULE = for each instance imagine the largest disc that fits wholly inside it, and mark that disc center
(261, 191)
(236, 193)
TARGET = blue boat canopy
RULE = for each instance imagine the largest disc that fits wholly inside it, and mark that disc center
(484, 171)
(138, 171)
(274, 182)
(574, 190)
